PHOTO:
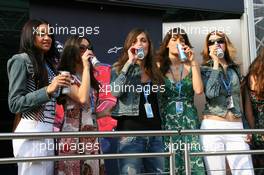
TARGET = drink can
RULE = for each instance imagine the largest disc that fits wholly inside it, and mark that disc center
(94, 61)
(65, 90)
(140, 53)
(182, 54)
(220, 53)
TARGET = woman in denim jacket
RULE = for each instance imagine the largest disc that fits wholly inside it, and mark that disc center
(134, 81)
(222, 109)
(32, 91)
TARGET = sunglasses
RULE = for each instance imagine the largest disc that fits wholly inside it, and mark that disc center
(83, 48)
(216, 41)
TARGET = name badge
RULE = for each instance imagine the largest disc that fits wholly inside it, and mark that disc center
(230, 102)
(179, 107)
(148, 110)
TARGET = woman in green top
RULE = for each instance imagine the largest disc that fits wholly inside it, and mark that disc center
(182, 79)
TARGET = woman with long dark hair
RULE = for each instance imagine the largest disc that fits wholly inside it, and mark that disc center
(254, 106)
(133, 79)
(33, 86)
(79, 107)
(182, 80)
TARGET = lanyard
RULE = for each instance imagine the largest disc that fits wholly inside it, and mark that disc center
(179, 83)
(92, 102)
(227, 83)
(147, 92)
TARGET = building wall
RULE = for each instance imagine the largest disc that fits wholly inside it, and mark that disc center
(107, 25)
(259, 23)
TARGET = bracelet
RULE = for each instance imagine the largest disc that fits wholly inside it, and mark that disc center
(195, 65)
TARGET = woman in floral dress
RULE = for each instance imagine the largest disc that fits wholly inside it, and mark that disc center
(182, 79)
(255, 109)
(79, 114)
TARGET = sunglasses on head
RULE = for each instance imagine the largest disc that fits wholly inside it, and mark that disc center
(83, 48)
(216, 41)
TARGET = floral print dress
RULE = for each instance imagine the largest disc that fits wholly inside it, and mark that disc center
(258, 139)
(258, 112)
(187, 119)
(78, 118)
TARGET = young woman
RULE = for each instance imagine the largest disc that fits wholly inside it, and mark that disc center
(254, 106)
(79, 106)
(182, 80)
(133, 79)
(222, 109)
(32, 92)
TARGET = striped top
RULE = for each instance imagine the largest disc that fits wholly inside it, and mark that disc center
(46, 112)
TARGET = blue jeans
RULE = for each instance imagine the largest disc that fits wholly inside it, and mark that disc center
(109, 146)
(153, 165)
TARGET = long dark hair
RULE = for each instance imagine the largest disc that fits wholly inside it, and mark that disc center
(162, 56)
(256, 71)
(148, 62)
(71, 57)
(37, 58)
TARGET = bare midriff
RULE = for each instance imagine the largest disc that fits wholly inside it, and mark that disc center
(229, 116)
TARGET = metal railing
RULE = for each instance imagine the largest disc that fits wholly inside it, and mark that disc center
(170, 154)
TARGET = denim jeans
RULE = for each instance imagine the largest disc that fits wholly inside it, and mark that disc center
(154, 165)
(109, 146)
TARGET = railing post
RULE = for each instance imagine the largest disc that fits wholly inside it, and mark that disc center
(172, 157)
(187, 158)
